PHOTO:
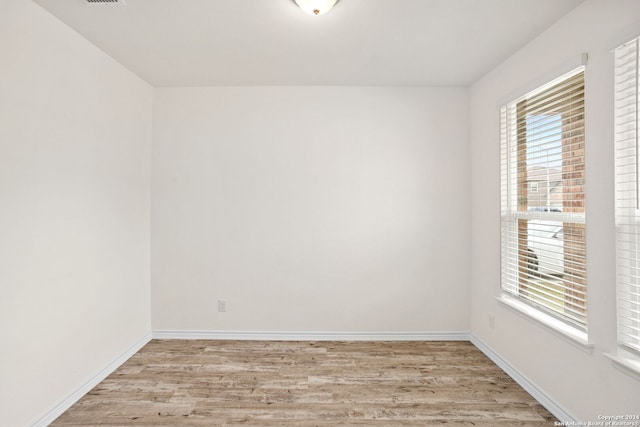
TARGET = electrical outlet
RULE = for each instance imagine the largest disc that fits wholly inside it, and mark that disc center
(492, 322)
(222, 306)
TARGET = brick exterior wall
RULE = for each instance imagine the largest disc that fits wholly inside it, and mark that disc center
(573, 201)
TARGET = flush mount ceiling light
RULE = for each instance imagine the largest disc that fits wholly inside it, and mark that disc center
(316, 7)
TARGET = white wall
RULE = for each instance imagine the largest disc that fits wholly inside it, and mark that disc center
(585, 384)
(310, 209)
(75, 132)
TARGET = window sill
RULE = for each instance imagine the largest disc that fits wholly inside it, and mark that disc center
(629, 365)
(572, 335)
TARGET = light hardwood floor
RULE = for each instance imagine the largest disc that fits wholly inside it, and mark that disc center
(266, 383)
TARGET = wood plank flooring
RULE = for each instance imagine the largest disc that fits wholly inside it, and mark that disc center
(266, 383)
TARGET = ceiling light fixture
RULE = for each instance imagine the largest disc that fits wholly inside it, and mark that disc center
(316, 7)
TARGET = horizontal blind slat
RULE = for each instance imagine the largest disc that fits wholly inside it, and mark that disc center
(626, 194)
(543, 246)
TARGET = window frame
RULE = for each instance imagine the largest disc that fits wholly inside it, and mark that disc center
(627, 201)
(511, 215)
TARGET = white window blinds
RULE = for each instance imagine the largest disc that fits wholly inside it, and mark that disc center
(542, 199)
(627, 200)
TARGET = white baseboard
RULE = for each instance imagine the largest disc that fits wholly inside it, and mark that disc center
(552, 406)
(65, 404)
(313, 336)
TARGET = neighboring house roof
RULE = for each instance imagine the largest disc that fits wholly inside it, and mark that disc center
(539, 173)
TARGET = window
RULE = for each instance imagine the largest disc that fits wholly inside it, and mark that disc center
(627, 203)
(543, 230)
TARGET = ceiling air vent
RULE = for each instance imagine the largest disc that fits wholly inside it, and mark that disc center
(122, 2)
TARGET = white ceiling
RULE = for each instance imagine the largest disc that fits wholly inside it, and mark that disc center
(272, 42)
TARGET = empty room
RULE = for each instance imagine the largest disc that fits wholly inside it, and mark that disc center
(319, 212)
